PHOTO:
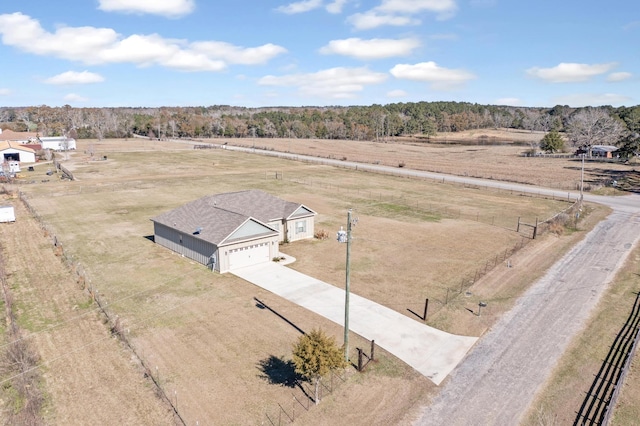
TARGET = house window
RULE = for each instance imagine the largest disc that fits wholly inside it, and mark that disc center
(301, 226)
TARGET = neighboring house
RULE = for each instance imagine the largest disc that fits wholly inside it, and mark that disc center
(603, 151)
(231, 230)
(19, 137)
(13, 151)
(57, 143)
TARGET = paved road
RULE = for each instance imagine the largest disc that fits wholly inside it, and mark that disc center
(432, 352)
(497, 381)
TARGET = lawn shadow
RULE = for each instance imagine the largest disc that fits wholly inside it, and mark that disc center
(261, 305)
(277, 371)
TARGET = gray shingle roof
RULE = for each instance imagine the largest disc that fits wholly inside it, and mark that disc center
(219, 215)
(255, 203)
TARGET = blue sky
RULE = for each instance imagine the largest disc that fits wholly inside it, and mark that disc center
(109, 53)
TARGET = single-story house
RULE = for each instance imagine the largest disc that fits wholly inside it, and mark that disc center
(13, 151)
(603, 151)
(19, 137)
(57, 143)
(232, 230)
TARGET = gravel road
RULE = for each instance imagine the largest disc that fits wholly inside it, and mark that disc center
(497, 381)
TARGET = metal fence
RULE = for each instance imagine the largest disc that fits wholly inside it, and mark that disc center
(600, 401)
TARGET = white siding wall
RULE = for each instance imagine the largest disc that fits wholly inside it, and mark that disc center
(25, 156)
(300, 229)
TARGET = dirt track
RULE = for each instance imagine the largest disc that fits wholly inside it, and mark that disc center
(499, 378)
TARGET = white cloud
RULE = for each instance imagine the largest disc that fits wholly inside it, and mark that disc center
(399, 13)
(509, 101)
(397, 94)
(416, 6)
(483, 3)
(333, 83)
(570, 72)
(238, 55)
(168, 8)
(336, 6)
(438, 77)
(94, 46)
(72, 97)
(593, 99)
(631, 26)
(371, 20)
(444, 36)
(73, 77)
(4, 91)
(300, 7)
(371, 49)
(619, 76)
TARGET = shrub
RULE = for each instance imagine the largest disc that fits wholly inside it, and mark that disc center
(321, 234)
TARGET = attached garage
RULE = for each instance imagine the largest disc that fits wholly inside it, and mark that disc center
(220, 232)
(250, 255)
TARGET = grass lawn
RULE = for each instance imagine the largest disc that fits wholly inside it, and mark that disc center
(205, 336)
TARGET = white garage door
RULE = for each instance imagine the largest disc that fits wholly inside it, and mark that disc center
(250, 255)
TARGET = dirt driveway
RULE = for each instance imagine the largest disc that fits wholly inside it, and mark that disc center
(499, 378)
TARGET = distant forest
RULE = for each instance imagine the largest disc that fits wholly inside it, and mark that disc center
(580, 126)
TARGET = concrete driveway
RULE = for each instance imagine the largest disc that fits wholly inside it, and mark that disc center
(430, 351)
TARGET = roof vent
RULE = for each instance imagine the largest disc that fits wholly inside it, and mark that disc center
(198, 230)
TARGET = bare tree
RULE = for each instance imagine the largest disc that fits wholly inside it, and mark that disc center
(594, 126)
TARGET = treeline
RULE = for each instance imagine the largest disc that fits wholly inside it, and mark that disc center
(355, 122)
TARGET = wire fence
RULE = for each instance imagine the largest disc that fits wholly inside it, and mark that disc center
(112, 320)
(302, 400)
(302, 394)
(441, 208)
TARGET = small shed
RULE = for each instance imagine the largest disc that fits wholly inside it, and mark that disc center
(7, 214)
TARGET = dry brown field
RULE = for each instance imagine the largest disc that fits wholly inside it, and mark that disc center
(213, 351)
(486, 154)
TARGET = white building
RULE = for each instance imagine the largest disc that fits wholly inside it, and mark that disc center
(58, 143)
(13, 151)
(7, 214)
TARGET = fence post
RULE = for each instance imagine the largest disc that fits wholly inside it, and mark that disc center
(518, 228)
(424, 316)
(373, 345)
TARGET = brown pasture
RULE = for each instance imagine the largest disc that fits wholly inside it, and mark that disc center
(219, 354)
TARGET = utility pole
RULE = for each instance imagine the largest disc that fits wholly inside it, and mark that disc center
(345, 237)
